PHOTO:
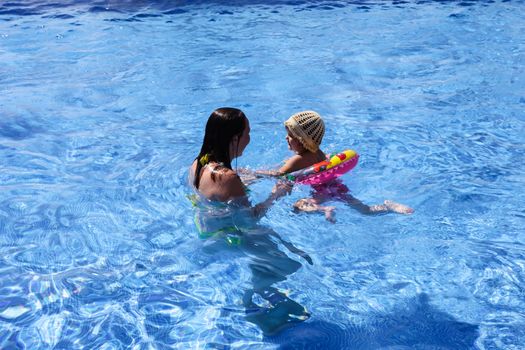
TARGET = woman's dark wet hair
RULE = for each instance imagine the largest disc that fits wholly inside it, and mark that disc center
(222, 126)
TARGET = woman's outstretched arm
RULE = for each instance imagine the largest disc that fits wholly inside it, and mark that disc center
(280, 189)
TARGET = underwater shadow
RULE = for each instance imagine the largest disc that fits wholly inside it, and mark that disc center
(269, 265)
(421, 326)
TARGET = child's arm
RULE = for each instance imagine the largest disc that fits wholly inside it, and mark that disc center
(249, 176)
(271, 173)
(291, 165)
(252, 175)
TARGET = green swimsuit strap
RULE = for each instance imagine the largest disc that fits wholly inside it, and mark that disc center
(232, 233)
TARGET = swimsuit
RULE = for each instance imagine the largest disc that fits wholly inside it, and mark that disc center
(334, 188)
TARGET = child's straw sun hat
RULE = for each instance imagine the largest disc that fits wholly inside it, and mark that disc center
(308, 128)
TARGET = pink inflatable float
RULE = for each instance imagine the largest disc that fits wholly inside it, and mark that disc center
(334, 166)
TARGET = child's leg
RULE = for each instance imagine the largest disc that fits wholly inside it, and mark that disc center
(387, 206)
(311, 205)
(398, 207)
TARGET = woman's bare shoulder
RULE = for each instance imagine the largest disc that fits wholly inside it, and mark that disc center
(230, 184)
(219, 183)
(221, 173)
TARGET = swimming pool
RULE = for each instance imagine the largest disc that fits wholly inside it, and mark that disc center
(102, 108)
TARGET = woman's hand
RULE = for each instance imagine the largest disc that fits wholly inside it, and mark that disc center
(282, 188)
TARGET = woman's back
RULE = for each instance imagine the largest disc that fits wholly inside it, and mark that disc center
(218, 183)
(226, 136)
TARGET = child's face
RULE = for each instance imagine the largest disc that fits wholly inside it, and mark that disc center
(293, 143)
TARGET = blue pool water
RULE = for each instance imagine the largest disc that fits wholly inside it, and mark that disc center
(102, 109)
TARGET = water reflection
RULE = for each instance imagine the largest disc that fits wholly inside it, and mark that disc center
(270, 265)
(265, 305)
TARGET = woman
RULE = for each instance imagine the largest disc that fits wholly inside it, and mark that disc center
(226, 136)
(226, 212)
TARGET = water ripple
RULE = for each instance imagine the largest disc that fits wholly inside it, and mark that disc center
(98, 246)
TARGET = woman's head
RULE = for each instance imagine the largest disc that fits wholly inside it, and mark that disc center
(226, 136)
(307, 128)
